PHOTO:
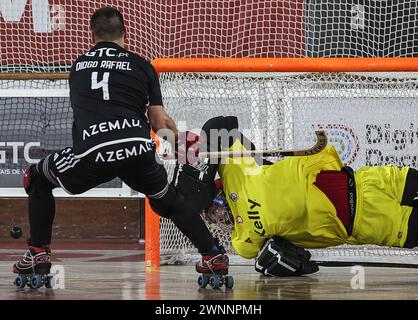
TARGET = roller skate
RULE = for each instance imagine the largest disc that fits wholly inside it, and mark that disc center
(214, 271)
(33, 269)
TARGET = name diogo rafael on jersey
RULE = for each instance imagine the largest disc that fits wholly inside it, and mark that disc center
(110, 89)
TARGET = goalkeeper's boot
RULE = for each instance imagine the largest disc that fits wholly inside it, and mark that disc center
(33, 269)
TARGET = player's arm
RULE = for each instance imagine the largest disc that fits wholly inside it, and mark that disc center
(159, 120)
(157, 115)
(279, 257)
(183, 143)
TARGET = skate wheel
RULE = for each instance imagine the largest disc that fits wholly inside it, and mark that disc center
(35, 281)
(20, 281)
(229, 282)
(49, 282)
(214, 282)
(203, 281)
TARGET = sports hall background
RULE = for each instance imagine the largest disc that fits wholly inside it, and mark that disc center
(49, 40)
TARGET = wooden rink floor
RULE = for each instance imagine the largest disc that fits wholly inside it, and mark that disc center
(117, 272)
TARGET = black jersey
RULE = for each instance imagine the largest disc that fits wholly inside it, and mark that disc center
(110, 89)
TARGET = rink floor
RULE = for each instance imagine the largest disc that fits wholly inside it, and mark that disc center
(117, 271)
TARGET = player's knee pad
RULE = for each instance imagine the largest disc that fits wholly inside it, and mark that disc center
(197, 184)
(35, 183)
(279, 257)
(176, 202)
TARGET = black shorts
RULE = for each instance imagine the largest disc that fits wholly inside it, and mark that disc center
(133, 162)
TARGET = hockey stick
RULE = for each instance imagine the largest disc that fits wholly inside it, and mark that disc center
(321, 143)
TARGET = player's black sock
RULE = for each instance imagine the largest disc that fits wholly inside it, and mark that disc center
(191, 224)
(41, 217)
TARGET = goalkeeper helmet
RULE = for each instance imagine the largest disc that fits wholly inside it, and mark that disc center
(219, 214)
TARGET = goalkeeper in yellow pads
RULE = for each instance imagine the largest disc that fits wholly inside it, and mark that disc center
(276, 210)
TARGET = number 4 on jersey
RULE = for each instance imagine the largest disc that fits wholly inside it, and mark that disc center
(102, 84)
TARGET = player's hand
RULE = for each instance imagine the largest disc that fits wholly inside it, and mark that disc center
(279, 257)
(187, 147)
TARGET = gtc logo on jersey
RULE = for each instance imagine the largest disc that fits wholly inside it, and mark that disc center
(239, 219)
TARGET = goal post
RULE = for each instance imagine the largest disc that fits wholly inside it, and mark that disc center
(253, 65)
(286, 64)
(355, 100)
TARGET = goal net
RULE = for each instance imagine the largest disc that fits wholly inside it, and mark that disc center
(369, 117)
(47, 35)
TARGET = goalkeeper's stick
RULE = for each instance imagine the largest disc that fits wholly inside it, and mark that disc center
(321, 143)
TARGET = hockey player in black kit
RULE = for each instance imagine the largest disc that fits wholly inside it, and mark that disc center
(116, 99)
